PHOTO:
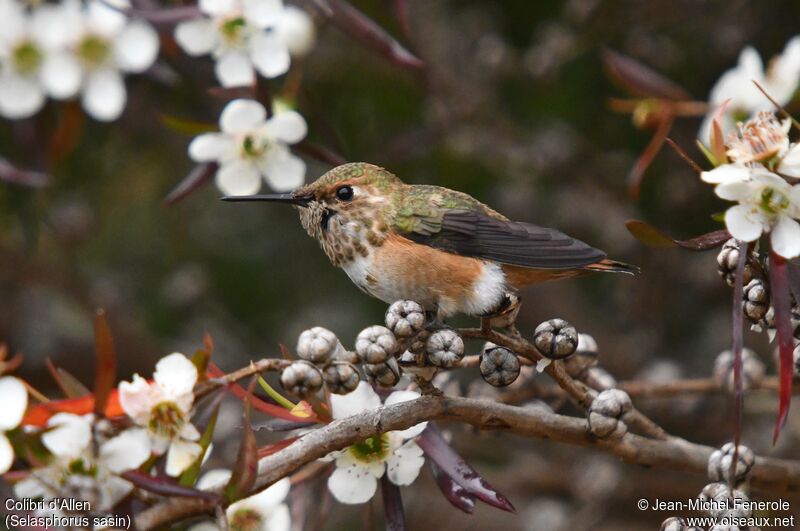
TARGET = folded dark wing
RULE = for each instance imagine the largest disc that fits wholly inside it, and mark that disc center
(470, 233)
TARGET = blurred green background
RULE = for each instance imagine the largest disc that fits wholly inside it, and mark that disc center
(512, 109)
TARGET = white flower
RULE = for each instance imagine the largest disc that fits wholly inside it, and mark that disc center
(767, 203)
(265, 511)
(241, 36)
(251, 146)
(15, 401)
(104, 45)
(33, 58)
(164, 407)
(76, 472)
(780, 81)
(395, 453)
(297, 30)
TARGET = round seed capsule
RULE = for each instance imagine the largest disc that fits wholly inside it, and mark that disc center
(341, 377)
(383, 374)
(499, 366)
(756, 300)
(405, 318)
(317, 345)
(301, 378)
(376, 344)
(444, 348)
(555, 339)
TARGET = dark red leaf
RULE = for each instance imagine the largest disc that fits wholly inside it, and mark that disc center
(265, 407)
(649, 235)
(364, 30)
(641, 80)
(165, 486)
(106, 363)
(636, 174)
(203, 356)
(12, 174)
(455, 493)
(438, 449)
(270, 449)
(200, 175)
(166, 17)
(393, 514)
(794, 277)
(69, 385)
(246, 466)
(400, 10)
(779, 290)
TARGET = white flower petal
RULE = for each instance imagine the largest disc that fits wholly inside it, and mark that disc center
(352, 485)
(104, 95)
(115, 488)
(278, 519)
(790, 163)
(126, 451)
(744, 223)
(175, 375)
(767, 178)
(296, 30)
(105, 17)
(736, 191)
(196, 37)
(135, 399)
(363, 398)
(30, 488)
(265, 500)
(727, 173)
(214, 479)
(204, 526)
(404, 464)
(287, 126)
(57, 26)
(13, 22)
(20, 97)
(210, 146)
(282, 170)
(136, 47)
(404, 396)
(234, 69)
(269, 54)
(189, 432)
(181, 455)
(217, 7)
(6, 454)
(238, 178)
(785, 237)
(783, 73)
(15, 401)
(240, 116)
(70, 435)
(794, 196)
(61, 75)
(262, 13)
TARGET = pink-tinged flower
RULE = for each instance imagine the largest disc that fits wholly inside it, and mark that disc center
(251, 147)
(358, 467)
(76, 471)
(15, 401)
(164, 407)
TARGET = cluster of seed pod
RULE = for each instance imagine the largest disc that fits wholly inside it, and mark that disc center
(323, 360)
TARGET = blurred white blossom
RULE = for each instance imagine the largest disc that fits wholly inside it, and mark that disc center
(245, 36)
(15, 401)
(164, 406)
(780, 80)
(251, 146)
(61, 49)
(358, 467)
(76, 471)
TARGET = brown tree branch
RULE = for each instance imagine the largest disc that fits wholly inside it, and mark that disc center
(671, 453)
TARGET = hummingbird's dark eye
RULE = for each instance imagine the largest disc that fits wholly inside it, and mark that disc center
(345, 193)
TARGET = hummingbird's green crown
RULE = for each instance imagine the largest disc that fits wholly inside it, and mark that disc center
(363, 172)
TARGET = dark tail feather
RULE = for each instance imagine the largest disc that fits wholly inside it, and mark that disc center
(612, 266)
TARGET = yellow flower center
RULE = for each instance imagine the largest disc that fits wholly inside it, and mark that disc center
(232, 30)
(371, 449)
(26, 57)
(254, 147)
(167, 419)
(773, 201)
(93, 50)
(245, 520)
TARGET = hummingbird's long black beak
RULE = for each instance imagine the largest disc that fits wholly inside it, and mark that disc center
(291, 199)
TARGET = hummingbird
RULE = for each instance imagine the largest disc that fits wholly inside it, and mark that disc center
(439, 247)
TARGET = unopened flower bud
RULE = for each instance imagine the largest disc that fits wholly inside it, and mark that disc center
(606, 412)
(752, 369)
(405, 318)
(555, 339)
(499, 366)
(719, 498)
(341, 377)
(376, 344)
(585, 356)
(674, 524)
(317, 345)
(756, 300)
(301, 378)
(728, 259)
(719, 464)
(444, 348)
(383, 374)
